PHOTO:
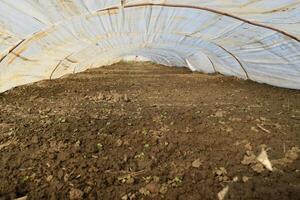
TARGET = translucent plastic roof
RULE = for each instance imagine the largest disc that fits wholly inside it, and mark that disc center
(249, 39)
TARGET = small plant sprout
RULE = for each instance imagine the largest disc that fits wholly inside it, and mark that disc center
(144, 131)
(99, 146)
(178, 179)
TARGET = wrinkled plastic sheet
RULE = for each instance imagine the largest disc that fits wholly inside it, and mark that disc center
(257, 40)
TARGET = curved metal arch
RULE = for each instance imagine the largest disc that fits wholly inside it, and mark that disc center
(209, 10)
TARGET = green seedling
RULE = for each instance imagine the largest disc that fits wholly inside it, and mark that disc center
(144, 131)
(99, 146)
(175, 181)
(178, 179)
(25, 178)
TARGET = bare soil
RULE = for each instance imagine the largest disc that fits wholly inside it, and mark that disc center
(145, 131)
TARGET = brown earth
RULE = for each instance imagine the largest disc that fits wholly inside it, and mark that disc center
(144, 131)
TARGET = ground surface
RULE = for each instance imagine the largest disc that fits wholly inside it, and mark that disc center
(143, 131)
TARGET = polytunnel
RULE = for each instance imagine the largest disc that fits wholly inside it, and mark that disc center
(256, 40)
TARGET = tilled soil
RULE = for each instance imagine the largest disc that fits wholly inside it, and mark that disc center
(144, 131)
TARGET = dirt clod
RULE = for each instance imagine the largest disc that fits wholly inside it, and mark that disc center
(153, 187)
(245, 179)
(163, 189)
(196, 163)
(75, 194)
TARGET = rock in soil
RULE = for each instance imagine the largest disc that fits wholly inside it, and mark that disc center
(196, 163)
(75, 194)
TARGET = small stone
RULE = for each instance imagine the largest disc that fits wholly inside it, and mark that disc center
(248, 146)
(259, 168)
(132, 196)
(66, 177)
(101, 96)
(278, 126)
(254, 129)
(249, 153)
(119, 142)
(126, 143)
(87, 189)
(78, 143)
(196, 163)
(245, 179)
(292, 154)
(144, 191)
(78, 176)
(49, 178)
(163, 189)
(35, 140)
(235, 179)
(219, 114)
(248, 159)
(129, 196)
(221, 122)
(126, 99)
(236, 119)
(125, 197)
(130, 180)
(75, 194)
(229, 129)
(263, 119)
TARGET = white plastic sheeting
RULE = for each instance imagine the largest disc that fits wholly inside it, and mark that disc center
(249, 39)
